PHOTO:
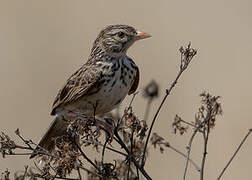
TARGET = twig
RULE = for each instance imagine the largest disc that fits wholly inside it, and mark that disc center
(131, 152)
(84, 155)
(157, 140)
(79, 174)
(134, 95)
(25, 141)
(120, 141)
(237, 150)
(190, 145)
(137, 173)
(58, 177)
(190, 124)
(116, 151)
(205, 138)
(22, 147)
(26, 168)
(103, 150)
(53, 177)
(189, 151)
(182, 154)
(18, 154)
(186, 57)
(91, 172)
(129, 107)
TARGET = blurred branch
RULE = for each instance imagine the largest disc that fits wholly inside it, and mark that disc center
(237, 150)
(151, 91)
(147, 110)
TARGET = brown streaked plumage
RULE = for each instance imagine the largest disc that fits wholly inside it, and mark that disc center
(103, 81)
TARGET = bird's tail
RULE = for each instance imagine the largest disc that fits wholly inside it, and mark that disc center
(58, 127)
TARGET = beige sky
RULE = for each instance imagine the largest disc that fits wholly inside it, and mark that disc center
(43, 42)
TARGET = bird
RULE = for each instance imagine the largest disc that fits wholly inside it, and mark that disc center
(100, 84)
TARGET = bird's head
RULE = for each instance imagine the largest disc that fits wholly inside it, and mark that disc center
(116, 39)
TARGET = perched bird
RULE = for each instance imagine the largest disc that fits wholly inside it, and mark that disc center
(100, 84)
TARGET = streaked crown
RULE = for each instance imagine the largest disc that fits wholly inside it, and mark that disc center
(116, 39)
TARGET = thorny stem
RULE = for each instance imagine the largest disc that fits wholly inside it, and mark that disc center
(237, 150)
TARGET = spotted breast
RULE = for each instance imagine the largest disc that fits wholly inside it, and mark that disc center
(118, 78)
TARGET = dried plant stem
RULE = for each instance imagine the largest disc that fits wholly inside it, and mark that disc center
(57, 177)
(116, 151)
(237, 150)
(18, 154)
(131, 152)
(140, 168)
(189, 146)
(85, 156)
(182, 154)
(186, 56)
(129, 107)
(168, 91)
(25, 173)
(133, 97)
(23, 147)
(205, 137)
(79, 174)
(137, 173)
(25, 141)
(190, 124)
(91, 172)
(188, 153)
(103, 150)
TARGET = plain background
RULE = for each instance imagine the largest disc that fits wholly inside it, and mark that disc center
(44, 42)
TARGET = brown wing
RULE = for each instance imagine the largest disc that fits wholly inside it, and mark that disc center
(77, 86)
(135, 83)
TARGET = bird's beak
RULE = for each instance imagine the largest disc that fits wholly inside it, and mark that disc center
(142, 35)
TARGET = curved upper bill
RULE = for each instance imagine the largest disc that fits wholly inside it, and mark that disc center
(142, 35)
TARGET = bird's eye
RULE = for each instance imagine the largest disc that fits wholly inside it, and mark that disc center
(121, 34)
